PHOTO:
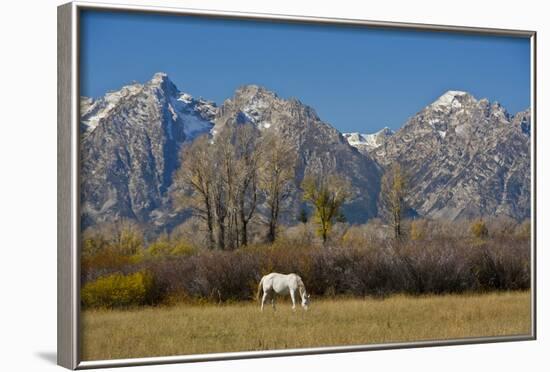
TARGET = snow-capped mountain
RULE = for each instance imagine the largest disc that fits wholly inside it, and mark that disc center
(464, 158)
(368, 142)
(196, 114)
(130, 144)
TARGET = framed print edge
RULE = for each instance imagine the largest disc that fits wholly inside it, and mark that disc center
(289, 18)
(67, 190)
(296, 352)
(68, 223)
(534, 211)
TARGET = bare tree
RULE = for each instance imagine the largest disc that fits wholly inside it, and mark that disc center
(247, 161)
(222, 190)
(125, 235)
(276, 175)
(392, 195)
(326, 194)
(194, 182)
(220, 180)
(235, 190)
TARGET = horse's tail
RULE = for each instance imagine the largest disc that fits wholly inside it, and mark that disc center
(260, 288)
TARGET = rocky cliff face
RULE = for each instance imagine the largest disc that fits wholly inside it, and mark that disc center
(464, 158)
(320, 147)
(130, 140)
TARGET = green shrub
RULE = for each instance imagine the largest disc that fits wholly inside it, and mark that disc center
(119, 290)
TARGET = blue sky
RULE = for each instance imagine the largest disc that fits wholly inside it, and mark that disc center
(357, 79)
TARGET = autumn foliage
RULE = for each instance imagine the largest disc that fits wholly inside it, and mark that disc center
(362, 260)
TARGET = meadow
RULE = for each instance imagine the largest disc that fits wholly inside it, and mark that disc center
(186, 328)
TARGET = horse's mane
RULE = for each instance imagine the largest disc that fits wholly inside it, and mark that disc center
(301, 286)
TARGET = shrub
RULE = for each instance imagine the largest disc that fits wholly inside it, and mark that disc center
(301, 234)
(523, 230)
(364, 262)
(192, 232)
(164, 246)
(418, 229)
(435, 266)
(109, 248)
(103, 263)
(479, 229)
(501, 265)
(93, 242)
(501, 226)
(119, 290)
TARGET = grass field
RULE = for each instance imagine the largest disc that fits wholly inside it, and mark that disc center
(197, 329)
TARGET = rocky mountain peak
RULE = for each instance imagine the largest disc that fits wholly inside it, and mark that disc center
(451, 95)
(160, 80)
(452, 100)
(130, 148)
(499, 112)
(252, 91)
(93, 111)
(464, 157)
(320, 147)
(263, 108)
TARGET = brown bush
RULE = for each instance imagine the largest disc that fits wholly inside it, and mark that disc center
(360, 264)
(107, 261)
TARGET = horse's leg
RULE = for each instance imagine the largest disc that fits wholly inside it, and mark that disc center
(264, 297)
(273, 300)
(293, 298)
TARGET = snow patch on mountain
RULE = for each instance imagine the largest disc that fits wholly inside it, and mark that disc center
(449, 97)
(368, 142)
(197, 115)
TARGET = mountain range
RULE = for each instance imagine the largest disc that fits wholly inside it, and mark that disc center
(463, 157)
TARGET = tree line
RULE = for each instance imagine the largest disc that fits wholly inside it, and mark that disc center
(239, 174)
(225, 179)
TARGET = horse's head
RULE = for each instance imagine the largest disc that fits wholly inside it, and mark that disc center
(305, 301)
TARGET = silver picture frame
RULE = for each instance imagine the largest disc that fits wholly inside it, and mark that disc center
(68, 213)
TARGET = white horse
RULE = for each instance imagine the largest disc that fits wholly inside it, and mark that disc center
(282, 284)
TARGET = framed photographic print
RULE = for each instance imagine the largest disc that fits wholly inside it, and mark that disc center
(236, 185)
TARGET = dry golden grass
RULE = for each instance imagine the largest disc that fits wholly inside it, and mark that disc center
(197, 329)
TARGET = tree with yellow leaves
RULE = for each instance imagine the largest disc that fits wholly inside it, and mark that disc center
(326, 194)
